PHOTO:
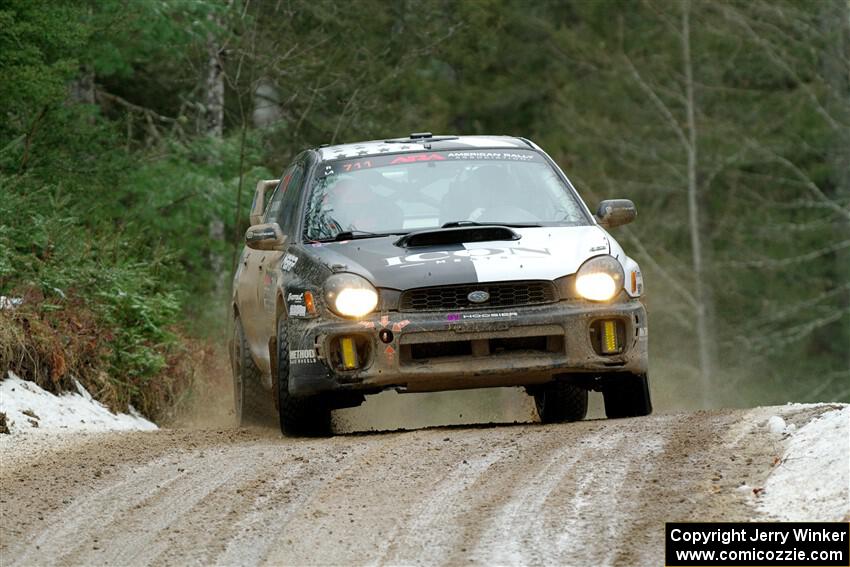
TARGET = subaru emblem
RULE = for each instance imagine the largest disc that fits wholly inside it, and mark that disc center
(479, 296)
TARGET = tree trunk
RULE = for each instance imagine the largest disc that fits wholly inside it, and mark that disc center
(266, 104)
(701, 287)
(214, 107)
(214, 92)
(82, 88)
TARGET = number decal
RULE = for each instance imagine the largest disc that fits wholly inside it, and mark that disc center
(365, 164)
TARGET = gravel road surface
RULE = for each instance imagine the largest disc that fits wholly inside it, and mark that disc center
(595, 492)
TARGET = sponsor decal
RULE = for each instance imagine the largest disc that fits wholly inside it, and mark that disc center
(297, 310)
(598, 248)
(288, 262)
(304, 356)
(508, 156)
(474, 254)
(417, 157)
(453, 317)
(342, 162)
(295, 297)
(480, 326)
(501, 315)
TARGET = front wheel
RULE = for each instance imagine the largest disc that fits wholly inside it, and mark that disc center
(558, 402)
(301, 415)
(627, 395)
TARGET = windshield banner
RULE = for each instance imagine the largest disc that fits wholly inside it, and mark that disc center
(335, 167)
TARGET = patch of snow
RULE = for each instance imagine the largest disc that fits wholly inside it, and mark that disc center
(66, 412)
(776, 425)
(812, 481)
(10, 302)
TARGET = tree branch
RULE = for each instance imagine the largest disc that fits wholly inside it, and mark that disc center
(801, 175)
(659, 104)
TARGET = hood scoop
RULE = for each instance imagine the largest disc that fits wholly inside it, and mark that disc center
(460, 235)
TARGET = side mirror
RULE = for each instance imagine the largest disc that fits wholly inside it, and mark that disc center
(615, 212)
(263, 186)
(265, 237)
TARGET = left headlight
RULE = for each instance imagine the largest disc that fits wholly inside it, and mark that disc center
(350, 295)
(600, 278)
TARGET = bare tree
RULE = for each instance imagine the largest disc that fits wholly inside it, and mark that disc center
(703, 308)
(688, 139)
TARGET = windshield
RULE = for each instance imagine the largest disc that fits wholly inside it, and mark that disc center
(400, 193)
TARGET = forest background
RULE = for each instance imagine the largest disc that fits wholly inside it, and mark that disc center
(133, 132)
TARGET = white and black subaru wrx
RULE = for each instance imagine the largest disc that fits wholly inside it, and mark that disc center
(433, 263)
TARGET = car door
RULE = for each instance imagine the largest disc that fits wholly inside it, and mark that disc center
(250, 283)
(260, 274)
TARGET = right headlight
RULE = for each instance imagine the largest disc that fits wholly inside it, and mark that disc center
(350, 295)
(600, 278)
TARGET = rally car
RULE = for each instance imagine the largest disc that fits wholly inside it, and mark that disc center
(430, 263)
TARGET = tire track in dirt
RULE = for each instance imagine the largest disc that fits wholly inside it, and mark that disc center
(250, 540)
(573, 497)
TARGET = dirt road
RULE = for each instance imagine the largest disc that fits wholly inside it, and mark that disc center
(595, 492)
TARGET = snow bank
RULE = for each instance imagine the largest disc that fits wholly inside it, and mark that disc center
(812, 482)
(28, 407)
(10, 302)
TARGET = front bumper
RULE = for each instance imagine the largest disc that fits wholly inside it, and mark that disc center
(422, 352)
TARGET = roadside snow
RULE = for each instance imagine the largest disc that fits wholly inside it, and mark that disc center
(812, 481)
(10, 302)
(777, 425)
(66, 412)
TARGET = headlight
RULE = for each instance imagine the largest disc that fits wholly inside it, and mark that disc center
(600, 278)
(350, 295)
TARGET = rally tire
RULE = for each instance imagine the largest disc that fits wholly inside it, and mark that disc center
(627, 396)
(301, 416)
(251, 402)
(558, 402)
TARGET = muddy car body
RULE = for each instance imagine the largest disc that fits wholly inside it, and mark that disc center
(434, 263)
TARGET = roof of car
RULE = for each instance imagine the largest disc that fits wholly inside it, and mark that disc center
(421, 142)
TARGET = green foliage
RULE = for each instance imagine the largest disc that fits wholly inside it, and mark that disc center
(39, 41)
(110, 186)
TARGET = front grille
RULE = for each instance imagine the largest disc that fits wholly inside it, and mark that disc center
(455, 297)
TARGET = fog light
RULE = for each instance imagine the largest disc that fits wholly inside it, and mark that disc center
(349, 353)
(609, 337)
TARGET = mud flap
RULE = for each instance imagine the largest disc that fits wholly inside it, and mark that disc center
(310, 379)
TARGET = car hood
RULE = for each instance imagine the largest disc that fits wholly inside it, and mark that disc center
(544, 253)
